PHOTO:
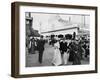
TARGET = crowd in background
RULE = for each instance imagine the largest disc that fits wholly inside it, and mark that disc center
(66, 48)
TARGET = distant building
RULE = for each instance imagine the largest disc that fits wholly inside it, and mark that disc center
(68, 30)
(29, 30)
(60, 26)
(56, 24)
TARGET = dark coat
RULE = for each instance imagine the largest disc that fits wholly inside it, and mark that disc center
(63, 46)
(75, 53)
(40, 45)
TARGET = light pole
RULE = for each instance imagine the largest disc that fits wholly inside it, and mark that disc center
(40, 26)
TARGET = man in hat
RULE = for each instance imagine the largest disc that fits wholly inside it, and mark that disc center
(40, 47)
(63, 48)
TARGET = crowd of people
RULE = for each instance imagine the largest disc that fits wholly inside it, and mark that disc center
(66, 48)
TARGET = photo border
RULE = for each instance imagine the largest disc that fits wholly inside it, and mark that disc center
(15, 32)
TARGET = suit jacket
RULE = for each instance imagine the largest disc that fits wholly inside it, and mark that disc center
(40, 45)
(63, 46)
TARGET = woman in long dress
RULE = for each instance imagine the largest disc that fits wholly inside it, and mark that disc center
(66, 57)
(57, 55)
(48, 54)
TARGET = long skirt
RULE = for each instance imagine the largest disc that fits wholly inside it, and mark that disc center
(65, 58)
(48, 56)
(57, 57)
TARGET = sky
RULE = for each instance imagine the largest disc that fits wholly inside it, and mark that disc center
(47, 22)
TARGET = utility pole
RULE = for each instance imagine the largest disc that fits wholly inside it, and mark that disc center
(40, 26)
